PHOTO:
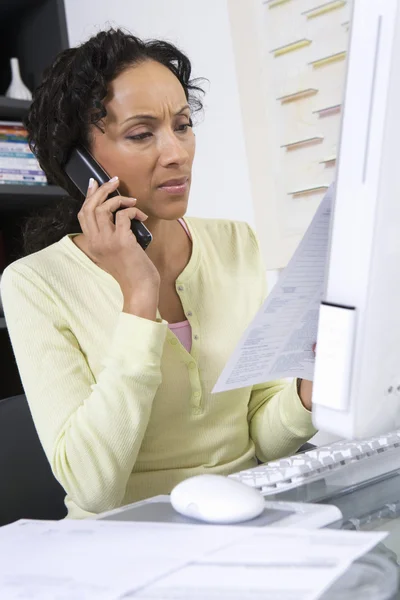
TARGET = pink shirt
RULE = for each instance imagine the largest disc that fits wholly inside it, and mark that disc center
(183, 330)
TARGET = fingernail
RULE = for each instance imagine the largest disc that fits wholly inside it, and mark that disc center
(114, 179)
(91, 182)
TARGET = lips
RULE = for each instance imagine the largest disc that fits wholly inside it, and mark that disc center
(175, 187)
(174, 182)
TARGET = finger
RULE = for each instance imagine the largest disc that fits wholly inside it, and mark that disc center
(123, 218)
(92, 187)
(113, 204)
(100, 195)
(86, 223)
(87, 215)
(133, 213)
(82, 217)
(104, 212)
(140, 215)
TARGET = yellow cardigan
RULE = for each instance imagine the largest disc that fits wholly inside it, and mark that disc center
(123, 411)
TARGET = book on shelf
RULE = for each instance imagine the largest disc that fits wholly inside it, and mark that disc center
(18, 164)
(2, 254)
(23, 182)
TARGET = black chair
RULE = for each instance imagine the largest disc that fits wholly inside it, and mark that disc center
(28, 487)
(305, 447)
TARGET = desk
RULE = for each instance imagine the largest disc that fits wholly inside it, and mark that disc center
(365, 507)
(368, 506)
(374, 507)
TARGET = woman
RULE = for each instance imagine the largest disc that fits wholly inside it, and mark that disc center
(119, 348)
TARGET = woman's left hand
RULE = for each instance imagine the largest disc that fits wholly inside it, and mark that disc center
(306, 388)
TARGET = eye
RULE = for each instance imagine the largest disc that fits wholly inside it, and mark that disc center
(184, 126)
(139, 136)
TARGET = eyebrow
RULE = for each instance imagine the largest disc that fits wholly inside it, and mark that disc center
(152, 117)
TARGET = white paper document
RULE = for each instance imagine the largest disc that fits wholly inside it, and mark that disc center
(278, 342)
(111, 560)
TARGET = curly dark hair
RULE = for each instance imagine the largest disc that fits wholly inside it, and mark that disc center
(69, 100)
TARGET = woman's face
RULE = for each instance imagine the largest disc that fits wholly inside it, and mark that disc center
(148, 141)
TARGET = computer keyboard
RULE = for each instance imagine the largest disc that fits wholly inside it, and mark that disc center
(356, 461)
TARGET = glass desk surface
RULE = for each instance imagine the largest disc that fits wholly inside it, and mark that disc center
(372, 505)
(369, 505)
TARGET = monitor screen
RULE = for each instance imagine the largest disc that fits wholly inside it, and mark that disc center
(357, 372)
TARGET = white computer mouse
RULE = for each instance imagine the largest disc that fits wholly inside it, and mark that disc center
(217, 499)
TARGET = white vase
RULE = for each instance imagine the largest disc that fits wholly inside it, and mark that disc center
(17, 88)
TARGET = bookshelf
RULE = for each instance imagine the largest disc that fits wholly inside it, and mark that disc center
(14, 198)
(12, 109)
(34, 31)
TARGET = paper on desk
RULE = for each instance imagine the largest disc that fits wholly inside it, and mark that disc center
(278, 342)
(265, 565)
(87, 560)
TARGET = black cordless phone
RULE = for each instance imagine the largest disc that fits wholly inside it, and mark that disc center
(80, 166)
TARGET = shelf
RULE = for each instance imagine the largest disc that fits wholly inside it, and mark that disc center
(328, 111)
(300, 95)
(13, 109)
(309, 191)
(303, 143)
(14, 197)
(292, 47)
(323, 9)
(274, 3)
(327, 60)
(328, 162)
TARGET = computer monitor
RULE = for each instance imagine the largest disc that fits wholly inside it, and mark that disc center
(357, 372)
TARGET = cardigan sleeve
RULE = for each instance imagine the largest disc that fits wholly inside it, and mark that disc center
(279, 423)
(91, 430)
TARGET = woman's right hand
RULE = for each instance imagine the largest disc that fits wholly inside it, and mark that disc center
(113, 247)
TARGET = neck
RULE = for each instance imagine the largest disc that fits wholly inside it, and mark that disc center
(169, 241)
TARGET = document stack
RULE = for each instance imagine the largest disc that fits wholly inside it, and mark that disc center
(18, 166)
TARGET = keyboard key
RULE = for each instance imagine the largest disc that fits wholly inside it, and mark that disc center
(292, 471)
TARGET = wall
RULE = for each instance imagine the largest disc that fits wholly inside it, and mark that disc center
(221, 186)
(291, 109)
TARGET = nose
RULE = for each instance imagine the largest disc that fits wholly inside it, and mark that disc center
(172, 151)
